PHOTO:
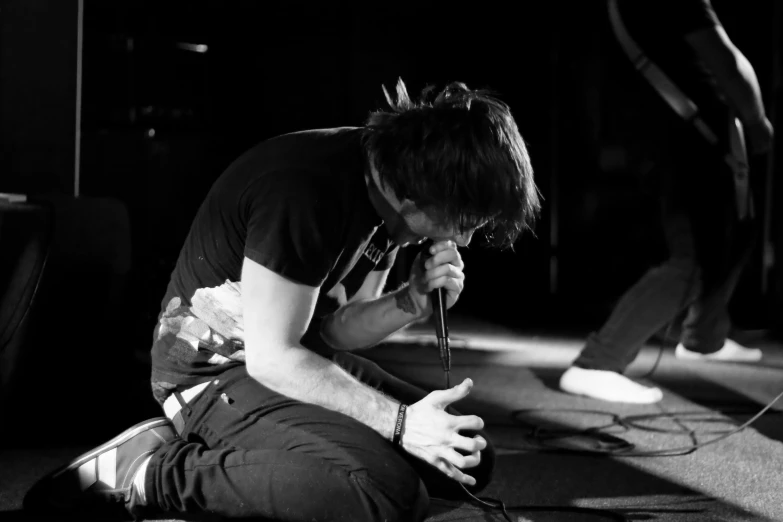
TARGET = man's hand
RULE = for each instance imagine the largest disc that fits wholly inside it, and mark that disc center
(432, 435)
(759, 135)
(442, 270)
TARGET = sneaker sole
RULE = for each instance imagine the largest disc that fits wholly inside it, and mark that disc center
(687, 355)
(113, 443)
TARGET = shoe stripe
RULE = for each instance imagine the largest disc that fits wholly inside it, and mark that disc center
(131, 472)
(107, 468)
(113, 443)
(88, 474)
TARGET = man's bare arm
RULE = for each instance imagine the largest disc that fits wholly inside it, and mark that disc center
(277, 312)
(371, 319)
(367, 321)
(733, 72)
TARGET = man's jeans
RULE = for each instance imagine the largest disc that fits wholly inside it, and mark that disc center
(247, 451)
(708, 248)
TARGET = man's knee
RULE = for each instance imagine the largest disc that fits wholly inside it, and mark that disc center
(412, 507)
(420, 504)
(405, 502)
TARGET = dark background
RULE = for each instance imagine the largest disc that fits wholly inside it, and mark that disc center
(160, 122)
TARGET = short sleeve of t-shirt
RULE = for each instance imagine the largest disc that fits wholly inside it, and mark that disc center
(291, 227)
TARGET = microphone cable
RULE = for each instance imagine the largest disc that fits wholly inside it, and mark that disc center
(497, 504)
(622, 447)
(440, 312)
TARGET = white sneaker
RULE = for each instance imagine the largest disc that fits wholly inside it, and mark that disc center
(607, 386)
(731, 351)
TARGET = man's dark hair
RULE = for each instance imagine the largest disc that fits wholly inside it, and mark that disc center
(459, 155)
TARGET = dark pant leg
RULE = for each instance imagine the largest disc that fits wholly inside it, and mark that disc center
(723, 243)
(726, 252)
(247, 451)
(655, 300)
(438, 485)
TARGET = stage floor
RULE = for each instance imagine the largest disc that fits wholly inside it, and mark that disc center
(535, 427)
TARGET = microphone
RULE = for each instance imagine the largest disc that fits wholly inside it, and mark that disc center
(440, 313)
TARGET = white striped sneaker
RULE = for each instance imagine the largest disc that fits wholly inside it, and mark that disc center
(100, 482)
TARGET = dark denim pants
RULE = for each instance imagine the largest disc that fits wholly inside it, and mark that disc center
(247, 451)
(708, 247)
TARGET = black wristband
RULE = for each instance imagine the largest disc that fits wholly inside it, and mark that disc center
(397, 437)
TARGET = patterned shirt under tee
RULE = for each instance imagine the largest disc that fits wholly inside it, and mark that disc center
(297, 204)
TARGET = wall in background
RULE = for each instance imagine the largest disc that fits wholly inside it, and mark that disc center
(37, 95)
(162, 119)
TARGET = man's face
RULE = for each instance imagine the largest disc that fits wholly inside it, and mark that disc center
(408, 224)
(416, 226)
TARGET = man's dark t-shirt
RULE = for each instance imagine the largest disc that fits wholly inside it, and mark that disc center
(296, 204)
(659, 28)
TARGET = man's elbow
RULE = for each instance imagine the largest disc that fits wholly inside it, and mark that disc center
(265, 367)
(259, 371)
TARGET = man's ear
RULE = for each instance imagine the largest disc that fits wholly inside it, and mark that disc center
(407, 207)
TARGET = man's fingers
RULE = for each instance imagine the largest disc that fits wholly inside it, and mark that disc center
(442, 398)
(446, 270)
(472, 460)
(462, 461)
(441, 246)
(454, 473)
(469, 444)
(470, 422)
(445, 253)
(447, 283)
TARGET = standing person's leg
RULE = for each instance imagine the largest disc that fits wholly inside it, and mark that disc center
(644, 309)
(707, 325)
(438, 485)
(724, 244)
(247, 451)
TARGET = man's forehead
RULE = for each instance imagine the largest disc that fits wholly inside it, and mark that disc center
(466, 218)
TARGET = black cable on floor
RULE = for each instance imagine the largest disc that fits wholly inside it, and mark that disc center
(621, 448)
(606, 444)
(593, 512)
(495, 504)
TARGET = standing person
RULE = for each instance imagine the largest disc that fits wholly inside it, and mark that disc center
(268, 413)
(708, 233)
